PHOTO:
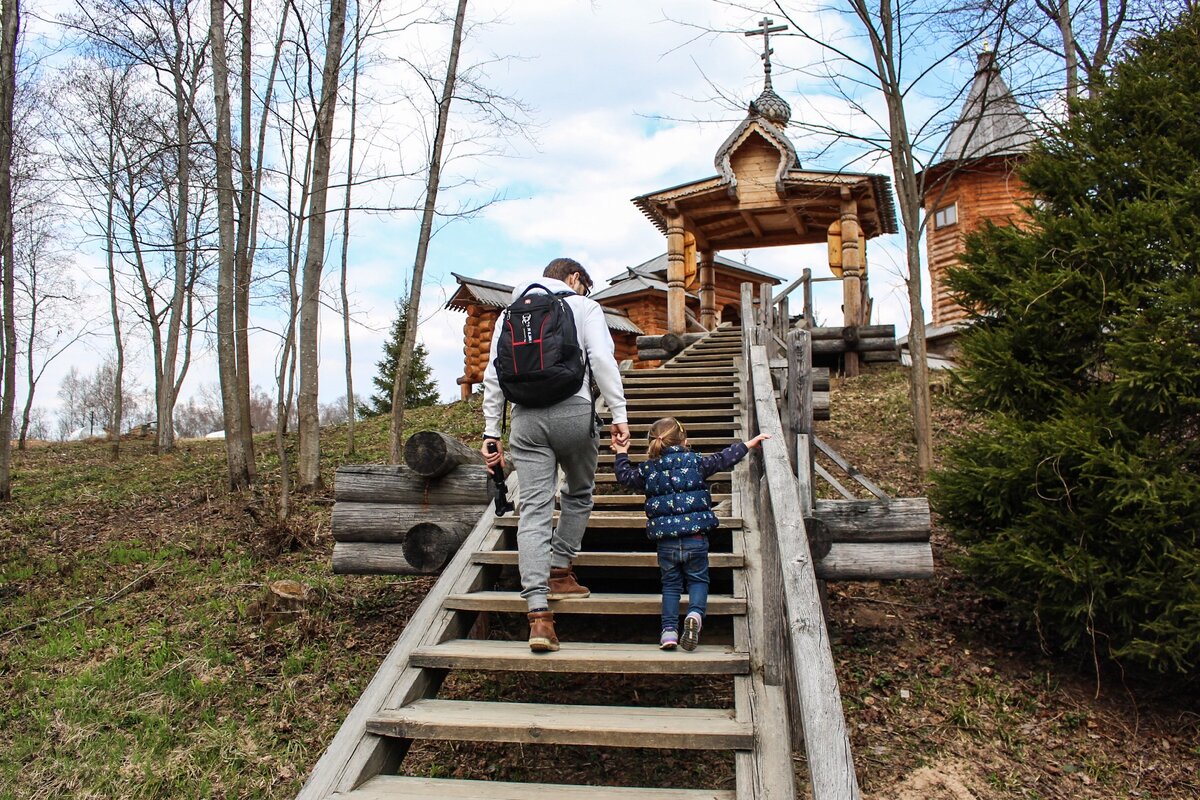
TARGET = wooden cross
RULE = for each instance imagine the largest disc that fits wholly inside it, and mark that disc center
(765, 30)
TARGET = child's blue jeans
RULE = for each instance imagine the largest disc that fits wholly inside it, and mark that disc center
(680, 560)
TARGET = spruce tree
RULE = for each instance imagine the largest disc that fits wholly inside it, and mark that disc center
(422, 389)
(1079, 499)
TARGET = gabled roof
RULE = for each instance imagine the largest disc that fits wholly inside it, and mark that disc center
(991, 122)
(473, 291)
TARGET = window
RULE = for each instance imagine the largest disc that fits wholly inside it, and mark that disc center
(945, 216)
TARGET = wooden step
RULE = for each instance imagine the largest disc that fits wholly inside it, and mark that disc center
(615, 559)
(727, 392)
(638, 500)
(718, 442)
(613, 519)
(606, 603)
(629, 659)
(656, 377)
(717, 477)
(656, 399)
(636, 412)
(535, 723)
(401, 787)
(697, 426)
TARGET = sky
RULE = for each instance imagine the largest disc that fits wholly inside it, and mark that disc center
(614, 89)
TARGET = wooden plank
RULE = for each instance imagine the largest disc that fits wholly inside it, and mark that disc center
(535, 723)
(615, 559)
(897, 520)
(832, 481)
(848, 561)
(614, 603)
(393, 787)
(848, 468)
(627, 659)
(827, 743)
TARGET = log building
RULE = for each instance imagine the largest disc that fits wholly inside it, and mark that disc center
(974, 181)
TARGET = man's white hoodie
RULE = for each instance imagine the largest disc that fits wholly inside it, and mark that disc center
(595, 341)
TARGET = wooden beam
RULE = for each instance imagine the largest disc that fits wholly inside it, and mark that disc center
(849, 468)
(797, 222)
(752, 223)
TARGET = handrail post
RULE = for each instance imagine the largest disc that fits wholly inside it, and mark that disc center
(808, 301)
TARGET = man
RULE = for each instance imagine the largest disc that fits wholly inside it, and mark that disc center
(543, 439)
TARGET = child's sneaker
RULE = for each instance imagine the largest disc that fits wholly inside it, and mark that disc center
(691, 631)
(668, 640)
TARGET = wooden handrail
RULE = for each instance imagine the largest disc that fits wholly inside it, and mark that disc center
(781, 518)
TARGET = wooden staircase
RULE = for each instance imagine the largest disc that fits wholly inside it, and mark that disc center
(701, 387)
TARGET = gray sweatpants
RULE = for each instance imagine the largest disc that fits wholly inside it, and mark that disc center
(542, 440)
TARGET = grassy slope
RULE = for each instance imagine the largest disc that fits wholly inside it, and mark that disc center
(138, 661)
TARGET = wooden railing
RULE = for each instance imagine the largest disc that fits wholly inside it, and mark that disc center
(799, 655)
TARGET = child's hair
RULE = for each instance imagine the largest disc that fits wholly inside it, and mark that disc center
(667, 432)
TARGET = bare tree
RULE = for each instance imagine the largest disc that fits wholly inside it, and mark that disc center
(309, 457)
(164, 38)
(9, 24)
(236, 419)
(404, 359)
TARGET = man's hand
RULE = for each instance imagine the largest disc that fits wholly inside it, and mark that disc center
(620, 434)
(493, 458)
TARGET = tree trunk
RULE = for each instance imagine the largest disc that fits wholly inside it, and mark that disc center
(1070, 57)
(404, 359)
(243, 263)
(8, 86)
(235, 454)
(113, 306)
(346, 238)
(310, 306)
(908, 196)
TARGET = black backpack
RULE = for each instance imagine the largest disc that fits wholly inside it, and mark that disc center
(538, 358)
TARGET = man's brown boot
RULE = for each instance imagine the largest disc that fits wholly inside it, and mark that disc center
(541, 632)
(563, 585)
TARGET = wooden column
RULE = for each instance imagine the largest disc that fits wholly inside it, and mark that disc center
(851, 274)
(708, 291)
(676, 274)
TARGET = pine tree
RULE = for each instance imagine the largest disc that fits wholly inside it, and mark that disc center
(1079, 500)
(422, 389)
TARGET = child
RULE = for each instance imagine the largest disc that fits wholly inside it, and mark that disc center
(679, 515)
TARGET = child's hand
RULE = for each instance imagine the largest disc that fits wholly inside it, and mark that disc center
(757, 440)
(619, 448)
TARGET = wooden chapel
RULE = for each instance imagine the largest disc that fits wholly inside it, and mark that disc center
(761, 196)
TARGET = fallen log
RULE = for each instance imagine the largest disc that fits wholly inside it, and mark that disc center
(397, 483)
(433, 453)
(386, 522)
(430, 545)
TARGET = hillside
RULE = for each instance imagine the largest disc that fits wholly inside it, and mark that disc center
(140, 659)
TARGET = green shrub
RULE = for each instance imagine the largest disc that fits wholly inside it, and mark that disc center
(1079, 502)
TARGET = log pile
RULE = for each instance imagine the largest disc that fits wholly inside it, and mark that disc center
(408, 519)
(875, 342)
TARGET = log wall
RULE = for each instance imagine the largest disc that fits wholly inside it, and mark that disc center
(989, 192)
